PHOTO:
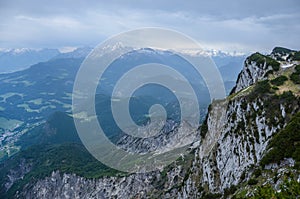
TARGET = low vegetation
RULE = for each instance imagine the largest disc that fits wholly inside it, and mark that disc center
(285, 144)
(66, 158)
(278, 81)
(289, 189)
(204, 128)
(261, 59)
(295, 56)
(281, 50)
(295, 77)
(261, 89)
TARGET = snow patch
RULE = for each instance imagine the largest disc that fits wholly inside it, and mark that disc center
(286, 65)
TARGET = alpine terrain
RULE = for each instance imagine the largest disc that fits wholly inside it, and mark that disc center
(248, 145)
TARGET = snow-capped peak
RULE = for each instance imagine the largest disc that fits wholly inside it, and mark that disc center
(118, 45)
(211, 52)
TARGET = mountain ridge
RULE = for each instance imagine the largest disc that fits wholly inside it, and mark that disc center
(234, 139)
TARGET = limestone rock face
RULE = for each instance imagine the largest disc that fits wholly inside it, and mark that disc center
(237, 134)
(251, 73)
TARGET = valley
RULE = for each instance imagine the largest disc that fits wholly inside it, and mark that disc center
(246, 147)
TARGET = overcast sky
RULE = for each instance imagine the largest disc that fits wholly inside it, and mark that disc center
(243, 26)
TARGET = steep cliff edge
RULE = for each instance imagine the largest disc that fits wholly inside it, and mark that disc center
(256, 67)
(235, 138)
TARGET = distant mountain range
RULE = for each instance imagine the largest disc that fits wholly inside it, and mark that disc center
(248, 144)
(11, 60)
(18, 59)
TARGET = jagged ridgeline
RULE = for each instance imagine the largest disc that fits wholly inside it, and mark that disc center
(248, 147)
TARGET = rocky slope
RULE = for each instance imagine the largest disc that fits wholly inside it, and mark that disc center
(171, 136)
(71, 186)
(255, 68)
(233, 141)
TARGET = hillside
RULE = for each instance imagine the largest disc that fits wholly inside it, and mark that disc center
(30, 96)
(248, 147)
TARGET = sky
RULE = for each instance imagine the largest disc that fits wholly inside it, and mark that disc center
(234, 25)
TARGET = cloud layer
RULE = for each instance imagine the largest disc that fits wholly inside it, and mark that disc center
(231, 26)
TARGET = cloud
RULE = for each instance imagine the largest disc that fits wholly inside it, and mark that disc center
(236, 25)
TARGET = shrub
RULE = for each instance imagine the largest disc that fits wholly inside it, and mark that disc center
(244, 105)
(296, 56)
(243, 176)
(281, 50)
(252, 181)
(285, 144)
(297, 68)
(257, 57)
(269, 73)
(289, 189)
(257, 173)
(261, 59)
(204, 128)
(229, 191)
(278, 81)
(275, 65)
(262, 87)
(212, 196)
(295, 77)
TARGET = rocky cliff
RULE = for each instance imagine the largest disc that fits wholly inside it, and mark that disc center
(255, 68)
(232, 142)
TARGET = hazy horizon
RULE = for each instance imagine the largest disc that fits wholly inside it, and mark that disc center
(231, 26)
